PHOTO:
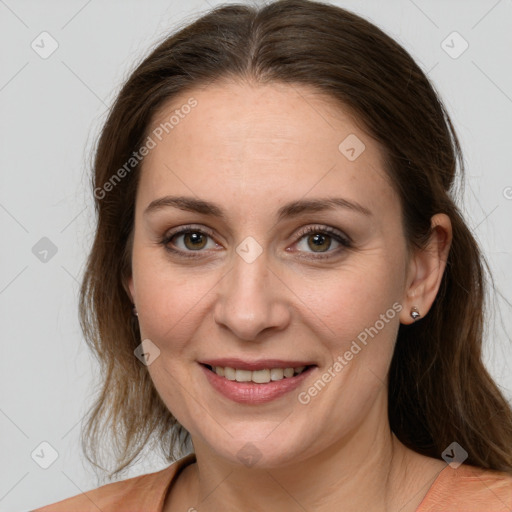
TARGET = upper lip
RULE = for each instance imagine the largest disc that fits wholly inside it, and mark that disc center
(259, 364)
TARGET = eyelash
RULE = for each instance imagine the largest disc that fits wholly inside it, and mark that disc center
(323, 230)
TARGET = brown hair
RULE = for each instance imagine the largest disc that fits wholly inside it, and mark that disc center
(439, 389)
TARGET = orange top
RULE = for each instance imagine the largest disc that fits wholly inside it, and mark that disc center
(465, 489)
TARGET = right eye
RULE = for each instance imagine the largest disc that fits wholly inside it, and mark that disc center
(193, 240)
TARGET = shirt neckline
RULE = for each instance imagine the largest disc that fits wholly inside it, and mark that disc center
(176, 468)
(444, 475)
(431, 490)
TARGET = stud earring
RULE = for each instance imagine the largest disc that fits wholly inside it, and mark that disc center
(415, 314)
(134, 310)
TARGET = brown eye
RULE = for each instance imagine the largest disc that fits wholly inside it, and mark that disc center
(194, 240)
(186, 242)
(319, 241)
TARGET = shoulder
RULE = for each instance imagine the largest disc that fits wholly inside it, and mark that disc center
(141, 493)
(469, 489)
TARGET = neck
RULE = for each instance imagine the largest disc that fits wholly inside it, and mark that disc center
(368, 470)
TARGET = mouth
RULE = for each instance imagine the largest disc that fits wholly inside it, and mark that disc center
(263, 376)
(256, 382)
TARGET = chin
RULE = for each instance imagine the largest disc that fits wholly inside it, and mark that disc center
(259, 450)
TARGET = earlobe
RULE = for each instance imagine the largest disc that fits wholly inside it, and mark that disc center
(415, 314)
(427, 270)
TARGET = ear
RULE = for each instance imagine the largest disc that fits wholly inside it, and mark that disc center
(129, 288)
(426, 269)
(127, 280)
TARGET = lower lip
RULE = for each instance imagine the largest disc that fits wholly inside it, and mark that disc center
(252, 393)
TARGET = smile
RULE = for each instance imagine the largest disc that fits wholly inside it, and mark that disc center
(258, 376)
(255, 383)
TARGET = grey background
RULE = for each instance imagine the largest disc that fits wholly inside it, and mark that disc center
(51, 110)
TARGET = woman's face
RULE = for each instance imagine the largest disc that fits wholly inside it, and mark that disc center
(248, 288)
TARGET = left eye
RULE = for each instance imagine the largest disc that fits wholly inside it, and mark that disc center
(321, 238)
(318, 242)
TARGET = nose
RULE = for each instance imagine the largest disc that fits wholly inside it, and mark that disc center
(252, 299)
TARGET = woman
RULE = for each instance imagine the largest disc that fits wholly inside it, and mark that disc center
(281, 282)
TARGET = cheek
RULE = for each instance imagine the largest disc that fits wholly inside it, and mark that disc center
(345, 304)
(170, 300)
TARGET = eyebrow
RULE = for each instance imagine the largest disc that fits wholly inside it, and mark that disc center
(291, 209)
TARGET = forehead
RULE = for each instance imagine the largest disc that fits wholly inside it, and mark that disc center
(237, 112)
(254, 140)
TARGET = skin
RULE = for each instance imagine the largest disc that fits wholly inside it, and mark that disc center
(250, 149)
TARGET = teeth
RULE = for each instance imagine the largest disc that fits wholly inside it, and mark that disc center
(288, 372)
(229, 373)
(258, 376)
(261, 376)
(243, 376)
(276, 374)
